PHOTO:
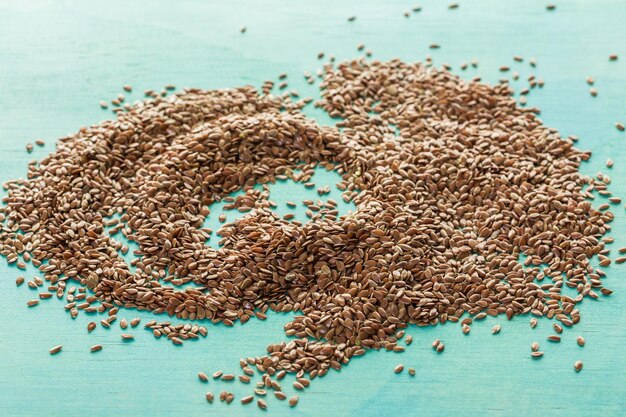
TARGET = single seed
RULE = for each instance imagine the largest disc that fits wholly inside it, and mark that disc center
(248, 399)
(293, 401)
(534, 346)
(551, 6)
(398, 368)
(440, 347)
(412, 371)
(96, 348)
(593, 92)
(533, 322)
(536, 354)
(466, 329)
(557, 328)
(554, 338)
(613, 57)
(262, 404)
(209, 397)
(56, 349)
(126, 336)
(580, 340)
(496, 329)
(619, 127)
(578, 366)
(217, 374)
(203, 377)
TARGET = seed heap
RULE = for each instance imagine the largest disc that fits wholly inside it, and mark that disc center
(452, 182)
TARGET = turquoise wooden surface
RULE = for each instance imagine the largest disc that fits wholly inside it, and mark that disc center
(58, 59)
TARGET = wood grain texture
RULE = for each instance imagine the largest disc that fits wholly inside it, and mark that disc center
(58, 59)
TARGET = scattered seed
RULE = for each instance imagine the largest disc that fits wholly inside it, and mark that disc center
(533, 322)
(412, 371)
(398, 368)
(96, 348)
(580, 340)
(126, 336)
(203, 377)
(293, 401)
(613, 57)
(619, 127)
(209, 397)
(262, 404)
(56, 349)
(496, 329)
(534, 346)
(551, 7)
(536, 354)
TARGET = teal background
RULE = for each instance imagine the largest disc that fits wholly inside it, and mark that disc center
(58, 59)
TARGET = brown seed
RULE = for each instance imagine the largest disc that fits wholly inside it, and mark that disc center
(436, 343)
(412, 371)
(578, 366)
(209, 397)
(126, 336)
(134, 322)
(262, 404)
(620, 126)
(537, 354)
(466, 329)
(293, 401)
(217, 374)
(534, 346)
(123, 323)
(32, 303)
(96, 348)
(580, 340)
(19, 281)
(408, 340)
(228, 377)
(533, 322)
(557, 328)
(440, 347)
(554, 338)
(280, 395)
(593, 92)
(248, 399)
(91, 326)
(613, 57)
(203, 377)
(551, 7)
(56, 349)
(496, 329)
(398, 368)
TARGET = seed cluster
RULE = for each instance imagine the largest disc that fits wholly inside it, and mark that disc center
(466, 204)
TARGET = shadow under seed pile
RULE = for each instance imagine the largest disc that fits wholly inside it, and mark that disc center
(445, 207)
